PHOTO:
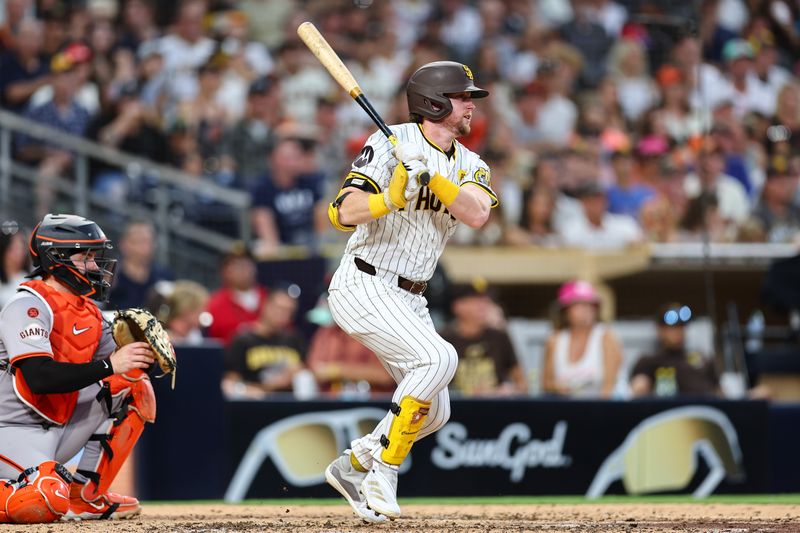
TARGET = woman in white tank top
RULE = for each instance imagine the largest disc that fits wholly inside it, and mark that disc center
(582, 358)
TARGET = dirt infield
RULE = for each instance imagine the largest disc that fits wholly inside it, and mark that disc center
(513, 518)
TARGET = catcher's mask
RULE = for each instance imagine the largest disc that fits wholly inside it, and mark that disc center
(430, 85)
(54, 243)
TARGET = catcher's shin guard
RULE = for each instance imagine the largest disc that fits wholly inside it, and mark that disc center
(408, 419)
(117, 444)
(40, 495)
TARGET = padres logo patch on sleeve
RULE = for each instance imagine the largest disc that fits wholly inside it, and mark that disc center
(482, 176)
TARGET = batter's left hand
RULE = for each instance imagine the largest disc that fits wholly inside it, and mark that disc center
(407, 152)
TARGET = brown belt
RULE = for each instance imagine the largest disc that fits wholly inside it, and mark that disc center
(414, 287)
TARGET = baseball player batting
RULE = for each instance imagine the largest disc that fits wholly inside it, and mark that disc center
(64, 385)
(377, 293)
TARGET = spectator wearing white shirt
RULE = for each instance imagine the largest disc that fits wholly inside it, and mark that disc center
(765, 63)
(558, 114)
(709, 86)
(610, 15)
(635, 87)
(709, 177)
(599, 229)
(461, 28)
(302, 81)
(748, 94)
(185, 49)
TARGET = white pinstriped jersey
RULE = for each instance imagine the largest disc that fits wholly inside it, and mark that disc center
(409, 242)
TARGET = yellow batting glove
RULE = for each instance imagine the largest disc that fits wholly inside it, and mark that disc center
(393, 198)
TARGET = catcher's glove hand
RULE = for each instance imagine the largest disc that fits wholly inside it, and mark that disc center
(139, 325)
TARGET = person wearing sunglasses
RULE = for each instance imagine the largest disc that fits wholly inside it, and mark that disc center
(673, 370)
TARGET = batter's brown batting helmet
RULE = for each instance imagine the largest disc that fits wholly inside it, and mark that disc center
(429, 87)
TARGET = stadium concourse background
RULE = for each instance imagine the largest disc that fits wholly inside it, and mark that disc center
(652, 148)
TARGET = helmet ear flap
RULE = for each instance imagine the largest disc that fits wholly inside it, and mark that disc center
(32, 248)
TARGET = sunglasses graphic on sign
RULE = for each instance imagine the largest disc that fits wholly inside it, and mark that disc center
(302, 446)
(661, 454)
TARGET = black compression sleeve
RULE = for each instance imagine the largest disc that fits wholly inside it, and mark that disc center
(46, 376)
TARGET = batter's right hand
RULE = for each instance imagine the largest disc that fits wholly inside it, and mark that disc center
(413, 186)
(407, 151)
(130, 356)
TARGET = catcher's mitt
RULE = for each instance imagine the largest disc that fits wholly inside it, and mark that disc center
(139, 325)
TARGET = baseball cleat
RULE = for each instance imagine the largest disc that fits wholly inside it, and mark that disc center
(379, 489)
(341, 475)
(108, 506)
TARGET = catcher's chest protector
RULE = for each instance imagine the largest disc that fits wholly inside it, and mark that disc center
(76, 333)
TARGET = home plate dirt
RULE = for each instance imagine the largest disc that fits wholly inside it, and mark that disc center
(629, 518)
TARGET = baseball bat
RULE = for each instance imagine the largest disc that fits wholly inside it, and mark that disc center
(333, 64)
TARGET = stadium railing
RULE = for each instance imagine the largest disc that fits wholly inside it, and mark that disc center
(18, 181)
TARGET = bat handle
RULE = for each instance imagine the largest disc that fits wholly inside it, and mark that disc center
(424, 179)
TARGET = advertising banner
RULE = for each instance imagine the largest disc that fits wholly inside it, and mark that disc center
(506, 447)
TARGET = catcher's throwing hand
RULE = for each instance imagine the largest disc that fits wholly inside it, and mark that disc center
(140, 326)
(131, 356)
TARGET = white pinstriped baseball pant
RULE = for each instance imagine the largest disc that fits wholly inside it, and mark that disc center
(396, 325)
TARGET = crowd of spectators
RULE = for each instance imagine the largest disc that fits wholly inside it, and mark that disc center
(267, 351)
(611, 122)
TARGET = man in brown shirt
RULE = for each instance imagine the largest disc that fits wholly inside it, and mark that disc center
(673, 370)
(487, 363)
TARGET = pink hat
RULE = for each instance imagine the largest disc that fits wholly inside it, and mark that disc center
(652, 145)
(577, 291)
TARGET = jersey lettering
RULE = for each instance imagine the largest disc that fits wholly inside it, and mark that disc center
(34, 331)
(427, 200)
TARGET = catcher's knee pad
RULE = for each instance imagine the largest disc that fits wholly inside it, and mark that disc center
(138, 408)
(136, 385)
(408, 419)
(41, 494)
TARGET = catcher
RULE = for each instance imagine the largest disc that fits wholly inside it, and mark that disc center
(66, 385)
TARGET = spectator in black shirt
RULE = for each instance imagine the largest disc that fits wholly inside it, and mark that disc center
(137, 271)
(128, 126)
(673, 370)
(265, 359)
(288, 203)
(487, 363)
(23, 70)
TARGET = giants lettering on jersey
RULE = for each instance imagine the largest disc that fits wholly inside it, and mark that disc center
(34, 331)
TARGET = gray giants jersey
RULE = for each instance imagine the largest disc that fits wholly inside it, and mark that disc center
(409, 242)
(26, 322)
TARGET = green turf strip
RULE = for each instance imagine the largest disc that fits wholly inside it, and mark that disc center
(785, 499)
